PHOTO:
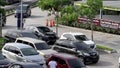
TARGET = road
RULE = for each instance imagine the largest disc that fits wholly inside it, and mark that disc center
(106, 60)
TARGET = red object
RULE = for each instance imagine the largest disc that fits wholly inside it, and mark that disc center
(63, 60)
(51, 23)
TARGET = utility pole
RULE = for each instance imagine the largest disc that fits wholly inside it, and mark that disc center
(21, 23)
(1, 20)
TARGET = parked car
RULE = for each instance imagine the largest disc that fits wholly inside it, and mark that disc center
(42, 47)
(78, 36)
(4, 63)
(66, 61)
(26, 10)
(25, 65)
(77, 48)
(11, 35)
(43, 32)
(23, 53)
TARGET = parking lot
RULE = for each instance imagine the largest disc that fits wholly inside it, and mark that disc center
(106, 60)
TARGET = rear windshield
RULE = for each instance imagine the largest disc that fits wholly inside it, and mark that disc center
(42, 46)
(76, 63)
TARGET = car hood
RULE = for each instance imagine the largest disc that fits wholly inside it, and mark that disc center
(47, 52)
(34, 58)
(89, 42)
(50, 33)
(4, 62)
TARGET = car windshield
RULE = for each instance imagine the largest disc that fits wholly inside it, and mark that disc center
(44, 29)
(42, 46)
(75, 63)
(31, 35)
(29, 51)
(1, 57)
(81, 37)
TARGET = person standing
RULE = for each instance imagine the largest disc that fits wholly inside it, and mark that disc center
(52, 64)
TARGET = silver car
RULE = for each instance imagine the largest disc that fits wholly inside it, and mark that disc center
(22, 52)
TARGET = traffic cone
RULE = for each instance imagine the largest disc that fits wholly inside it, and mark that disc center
(51, 23)
(46, 22)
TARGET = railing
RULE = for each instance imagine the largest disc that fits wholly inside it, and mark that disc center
(102, 23)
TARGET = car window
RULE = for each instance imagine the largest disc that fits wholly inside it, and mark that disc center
(29, 51)
(81, 37)
(6, 48)
(19, 7)
(1, 56)
(31, 35)
(69, 36)
(75, 63)
(42, 46)
(43, 29)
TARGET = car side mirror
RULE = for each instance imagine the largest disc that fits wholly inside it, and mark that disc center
(19, 54)
(74, 49)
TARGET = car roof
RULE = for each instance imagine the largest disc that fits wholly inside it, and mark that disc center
(18, 45)
(64, 55)
(73, 33)
(33, 40)
(24, 4)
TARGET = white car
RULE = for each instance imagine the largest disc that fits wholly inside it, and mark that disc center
(41, 46)
(78, 36)
(23, 53)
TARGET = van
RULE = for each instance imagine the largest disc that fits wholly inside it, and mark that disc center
(42, 47)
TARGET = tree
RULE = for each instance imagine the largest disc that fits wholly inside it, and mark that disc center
(69, 15)
(53, 6)
(2, 11)
(91, 10)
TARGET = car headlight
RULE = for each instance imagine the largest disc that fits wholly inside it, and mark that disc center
(87, 54)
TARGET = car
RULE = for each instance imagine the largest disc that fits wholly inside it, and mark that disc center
(25, 65)
(23, 53)
(43, 32)
(41, 46)
(26, 10)
(4, 63)
(77, 48)
(11, 35)
(66, 61)
(78, 36)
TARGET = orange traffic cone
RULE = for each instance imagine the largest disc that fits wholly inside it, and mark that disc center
(51, 23)
(47, 22)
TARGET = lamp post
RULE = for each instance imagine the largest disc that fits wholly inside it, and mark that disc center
(21, 15)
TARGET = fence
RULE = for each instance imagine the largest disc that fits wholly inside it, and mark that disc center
(101, 22)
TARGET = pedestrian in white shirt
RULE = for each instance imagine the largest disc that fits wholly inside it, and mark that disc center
(52, 64)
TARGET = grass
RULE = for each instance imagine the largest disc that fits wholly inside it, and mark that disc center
(104, 47)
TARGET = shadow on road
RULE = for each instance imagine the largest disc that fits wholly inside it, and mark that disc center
(102, 64)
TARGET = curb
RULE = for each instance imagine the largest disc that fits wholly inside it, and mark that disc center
(107, 51)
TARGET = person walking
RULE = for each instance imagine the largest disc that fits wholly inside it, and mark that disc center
(52, 64)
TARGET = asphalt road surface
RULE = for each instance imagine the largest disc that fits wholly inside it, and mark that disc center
(106, 60)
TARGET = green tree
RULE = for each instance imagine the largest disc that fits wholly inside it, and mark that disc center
(90, 11)
(2, 11)
(69, 15)
(54, 6)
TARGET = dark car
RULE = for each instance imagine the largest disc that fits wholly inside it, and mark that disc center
(66, 61)
(11, 35)
(79, 49)
(43, 32)
(25, 65)
(26, 11)
(4, 63)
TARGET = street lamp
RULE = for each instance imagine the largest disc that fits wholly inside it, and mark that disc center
(21, 15)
